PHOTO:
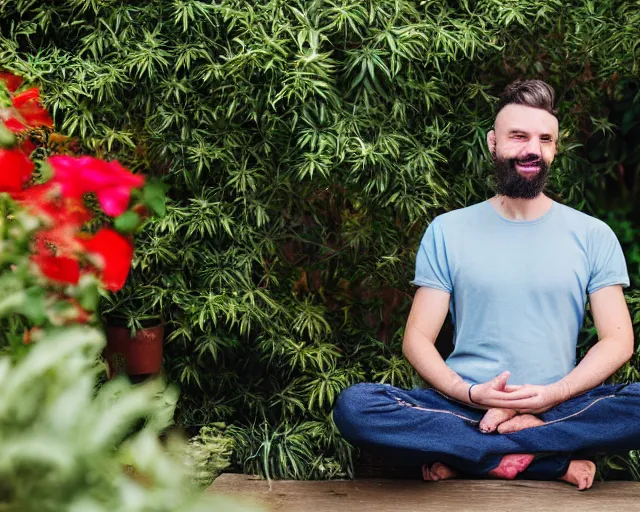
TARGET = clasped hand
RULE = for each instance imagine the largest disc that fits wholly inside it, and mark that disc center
(525, 399)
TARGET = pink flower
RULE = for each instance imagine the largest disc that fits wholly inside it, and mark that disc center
(110, 181)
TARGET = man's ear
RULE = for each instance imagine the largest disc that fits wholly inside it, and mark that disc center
(491, 141)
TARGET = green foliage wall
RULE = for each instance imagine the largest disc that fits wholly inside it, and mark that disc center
(307, 145)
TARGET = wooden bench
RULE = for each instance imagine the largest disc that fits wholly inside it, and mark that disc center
(386, 495)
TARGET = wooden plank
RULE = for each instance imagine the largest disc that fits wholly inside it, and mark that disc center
(414, 496)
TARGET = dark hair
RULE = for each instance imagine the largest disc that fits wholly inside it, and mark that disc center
(531, 93)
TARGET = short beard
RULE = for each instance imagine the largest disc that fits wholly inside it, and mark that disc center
(510, 183)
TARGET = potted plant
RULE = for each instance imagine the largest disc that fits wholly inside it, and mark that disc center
(134, 326)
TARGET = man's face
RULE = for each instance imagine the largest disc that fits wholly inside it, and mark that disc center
(523, 145)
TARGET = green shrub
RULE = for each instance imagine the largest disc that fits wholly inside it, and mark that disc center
(209, 453)
(62, 447)
(307, 144)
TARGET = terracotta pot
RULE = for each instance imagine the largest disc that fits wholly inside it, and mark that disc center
(140, 355)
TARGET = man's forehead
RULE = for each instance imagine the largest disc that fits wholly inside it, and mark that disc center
(526, 119)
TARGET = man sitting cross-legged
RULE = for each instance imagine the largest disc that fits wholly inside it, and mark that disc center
(515, 271)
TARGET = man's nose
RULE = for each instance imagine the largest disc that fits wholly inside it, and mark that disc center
(534, 147)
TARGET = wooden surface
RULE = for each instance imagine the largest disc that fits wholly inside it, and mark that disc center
(414, 496)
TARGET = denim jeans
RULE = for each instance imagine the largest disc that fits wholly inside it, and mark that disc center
(422, 426)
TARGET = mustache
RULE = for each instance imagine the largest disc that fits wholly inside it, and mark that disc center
(529, 159)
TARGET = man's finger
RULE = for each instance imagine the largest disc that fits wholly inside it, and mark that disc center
(513, 387)
(524, 404)
(510, 404)
(513, 396)
(500, 381)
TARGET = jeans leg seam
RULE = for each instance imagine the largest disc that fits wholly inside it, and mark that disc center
(439, 411)
(573, 415)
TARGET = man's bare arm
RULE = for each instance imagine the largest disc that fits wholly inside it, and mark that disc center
(615, 345)
(428, 313)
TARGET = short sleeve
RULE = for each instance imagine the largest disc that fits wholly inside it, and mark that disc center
(432, 267)
(608, 265)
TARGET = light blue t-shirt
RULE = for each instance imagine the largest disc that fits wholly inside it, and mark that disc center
(518, 288)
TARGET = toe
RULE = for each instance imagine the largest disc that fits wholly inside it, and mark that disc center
(508, 426)
(493, 418)
(440, 471)
(519, 423)
(584, 483)
(487, 424)
(581, 474)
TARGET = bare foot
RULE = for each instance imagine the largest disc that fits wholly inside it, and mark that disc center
(437, 471)
(518, 423)
(495, 417)
(580, 473)
(511, 465)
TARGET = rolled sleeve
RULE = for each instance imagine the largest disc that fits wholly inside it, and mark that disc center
(432, 266)
(608, 264)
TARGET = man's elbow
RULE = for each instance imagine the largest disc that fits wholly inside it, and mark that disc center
(413, 344)
(629, 348)
(410, 344)
(407, 347)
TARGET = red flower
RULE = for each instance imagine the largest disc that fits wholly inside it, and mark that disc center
(112, 254)
(27, 111)
(19, 100)
(54, 253)
(39, 199)
(15, 170)
(60, 241)
(58, 268)
(11, 81)
(47, 201)
(14, 125)
(110, 181)
(71, 213)
(27, 147)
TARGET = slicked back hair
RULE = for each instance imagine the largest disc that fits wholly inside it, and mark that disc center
(531, 93)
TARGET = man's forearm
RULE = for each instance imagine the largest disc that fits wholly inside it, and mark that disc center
(427, 361)
(602, 361)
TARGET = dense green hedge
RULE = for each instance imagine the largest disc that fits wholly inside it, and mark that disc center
(307, 144)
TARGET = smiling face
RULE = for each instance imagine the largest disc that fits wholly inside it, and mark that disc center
(523, 145)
